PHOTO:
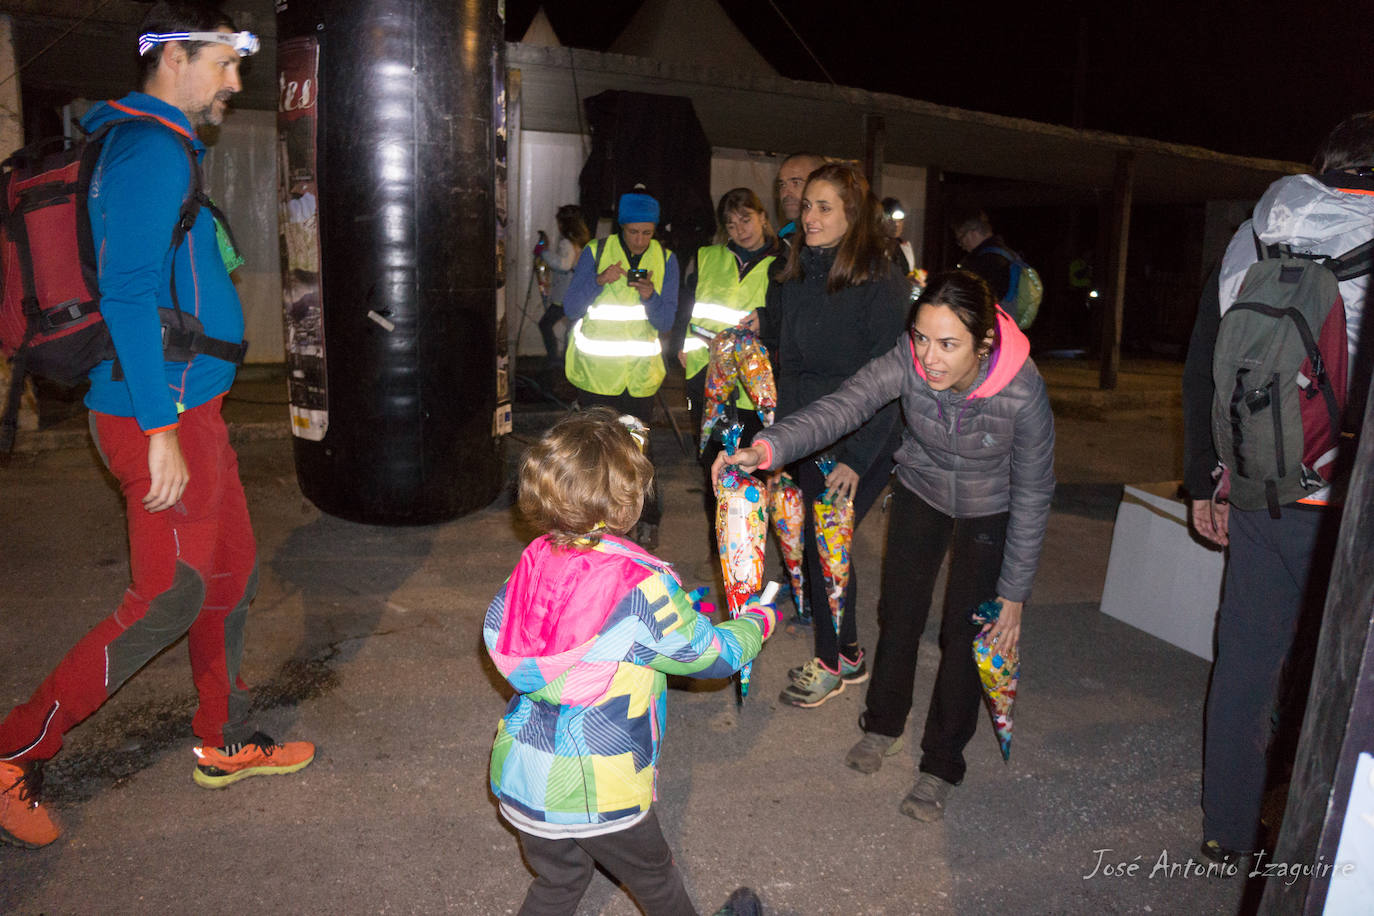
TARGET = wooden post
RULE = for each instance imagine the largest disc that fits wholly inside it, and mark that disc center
(1115, 292)
(934, 234)
(875, 139)
(1338, 728)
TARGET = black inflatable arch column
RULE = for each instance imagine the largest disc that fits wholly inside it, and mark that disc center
(398, 363)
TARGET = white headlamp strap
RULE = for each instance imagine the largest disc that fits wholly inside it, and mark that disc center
(245, 43)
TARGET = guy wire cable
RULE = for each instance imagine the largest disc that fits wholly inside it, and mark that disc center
(48, 47)
(802, 42)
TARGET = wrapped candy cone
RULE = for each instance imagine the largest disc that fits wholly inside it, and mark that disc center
(741, 532)
(755, 372)
(714, 412)
(834, 534)
(788, 514)
(722, 375)
(999, 673)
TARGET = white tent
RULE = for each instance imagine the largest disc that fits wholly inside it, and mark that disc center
(541, 32)
(692, 33)
(689, 32)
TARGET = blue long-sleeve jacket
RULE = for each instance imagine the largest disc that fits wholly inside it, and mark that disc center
(583, 290)
(137, 189)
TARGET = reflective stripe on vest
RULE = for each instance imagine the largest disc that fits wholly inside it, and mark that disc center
(723, 300)
(614, 348)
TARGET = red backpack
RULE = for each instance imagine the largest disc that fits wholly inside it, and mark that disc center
(50, 323)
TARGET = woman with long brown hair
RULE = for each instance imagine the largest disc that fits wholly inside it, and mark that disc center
(839, 303)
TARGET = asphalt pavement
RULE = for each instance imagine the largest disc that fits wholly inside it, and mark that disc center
(367, 640)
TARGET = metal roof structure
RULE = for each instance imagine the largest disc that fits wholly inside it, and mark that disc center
(762, 112)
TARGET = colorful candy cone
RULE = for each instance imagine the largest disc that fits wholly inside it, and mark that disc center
(741, 532)
(999, 673)
(755, 373)
(788, 513)
(834, 534)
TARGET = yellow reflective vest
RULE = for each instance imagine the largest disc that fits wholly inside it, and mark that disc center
(614, 348)
(723, 300)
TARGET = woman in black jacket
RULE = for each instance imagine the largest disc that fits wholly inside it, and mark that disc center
(838, 304)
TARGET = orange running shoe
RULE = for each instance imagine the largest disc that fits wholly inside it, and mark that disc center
(259, 756)
(23, 819)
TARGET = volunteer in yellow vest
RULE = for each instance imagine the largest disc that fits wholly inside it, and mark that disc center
(623, 293)
(729, 284)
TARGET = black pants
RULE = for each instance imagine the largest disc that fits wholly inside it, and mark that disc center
(749, 420)
(638, 857)
(1277, 571)
(812, 483)
(917, 538)
(552, 315)
(642, 408)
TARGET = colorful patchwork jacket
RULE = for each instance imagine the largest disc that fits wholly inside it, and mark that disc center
(586, 637)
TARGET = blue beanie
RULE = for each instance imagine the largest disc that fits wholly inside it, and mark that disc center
(638, 208)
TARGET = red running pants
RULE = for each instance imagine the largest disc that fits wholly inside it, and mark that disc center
(194, 572)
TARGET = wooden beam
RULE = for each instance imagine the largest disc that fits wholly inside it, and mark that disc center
(1119, 226)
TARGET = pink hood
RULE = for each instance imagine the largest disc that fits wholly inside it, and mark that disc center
(1010, 354)
(558, 597)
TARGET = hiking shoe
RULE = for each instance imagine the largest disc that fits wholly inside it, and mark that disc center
(1213, 851)
(855, 672)
(926, 800)
(259, 756)
(800, 625)
(742, 902)
(646, 536)
(867, 756)
(23, 819)
(813, 686)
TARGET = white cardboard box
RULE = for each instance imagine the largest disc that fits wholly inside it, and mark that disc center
(1159, 577)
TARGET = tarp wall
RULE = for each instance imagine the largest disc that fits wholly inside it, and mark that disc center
(241, 174)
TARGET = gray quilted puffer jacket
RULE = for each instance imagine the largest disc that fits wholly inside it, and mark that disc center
(979, 454)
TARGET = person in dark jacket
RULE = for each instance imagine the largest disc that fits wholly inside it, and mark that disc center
(1277, 565)
(973, 231)
(975, 474)
(838, 304)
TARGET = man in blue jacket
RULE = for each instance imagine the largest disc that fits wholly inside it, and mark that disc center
(156, 422)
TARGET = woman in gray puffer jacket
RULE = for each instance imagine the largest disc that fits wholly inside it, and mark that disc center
(975, 474)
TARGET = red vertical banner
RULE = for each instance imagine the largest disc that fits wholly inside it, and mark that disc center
(299, 218)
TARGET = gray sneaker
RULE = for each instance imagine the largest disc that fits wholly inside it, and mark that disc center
(926, 800)
(851, 672)
(813, 687)
(867, 756)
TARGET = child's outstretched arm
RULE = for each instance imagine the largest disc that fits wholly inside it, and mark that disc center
(681, 640)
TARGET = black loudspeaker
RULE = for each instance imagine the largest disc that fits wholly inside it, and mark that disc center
(388, 154)
(655, 140)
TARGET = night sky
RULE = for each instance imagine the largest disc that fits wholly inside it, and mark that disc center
(1263, 78)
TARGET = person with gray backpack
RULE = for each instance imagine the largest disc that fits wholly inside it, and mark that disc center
(1273, 392)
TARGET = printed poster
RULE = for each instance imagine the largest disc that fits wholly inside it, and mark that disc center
(299, 219)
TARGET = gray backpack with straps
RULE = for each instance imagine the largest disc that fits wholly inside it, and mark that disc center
(1279, 368)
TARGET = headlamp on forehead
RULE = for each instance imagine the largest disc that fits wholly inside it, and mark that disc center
(245, 43)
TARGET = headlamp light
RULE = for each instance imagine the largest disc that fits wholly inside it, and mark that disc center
(245, 43)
